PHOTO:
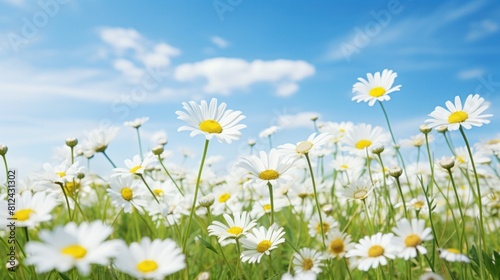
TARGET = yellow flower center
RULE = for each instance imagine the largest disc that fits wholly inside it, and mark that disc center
(419, 204)
(71, 187)
(263, 246)
(458, 117)
(453, 251)
(267, 207)
(326, 227)
(493, 141)
(234, 230)
(135, 168)
(336, 246)
(210, 126)
(303, 147)
(377, 91)
(147, 266)
(375, 251)
(461, 159)
(412, 240)
(224, 197)
(360, 194)
(307, 264)
(363, 144)
(127, 194)
(344, 166)
(61, 174)
(269, 175)
(158, 192)
(23, 215)
(76, 251)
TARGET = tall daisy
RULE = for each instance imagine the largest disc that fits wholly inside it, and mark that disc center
(211, 120)
(235, 228)
(150, 259)
(31, 209)
(308, 260)
(456, 115)
(338, 244)
(362, 137)
(372, 251)
(409, 238)
(359, 189)
(313, 142)
(260, 242)
(453, 255)
(377, 87)
(136, 166)
(126, 193)
(328, 223)
(267, 168)
(72, 246)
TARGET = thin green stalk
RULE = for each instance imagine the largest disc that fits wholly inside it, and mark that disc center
(431, 165)
(72, 154)
(316, 199)
(370, 222)
(270, 187)
(66, 198)
(170, 176)
(402, 196)
(110, 161)
(197, 187)
(139, 141)
(6, 168)
(461, 212)
(150, 190)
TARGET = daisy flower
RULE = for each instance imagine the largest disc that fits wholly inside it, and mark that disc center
(373, 251)
(457, 115)
(137, 122)
(211, 120)
(409, 238)
(31, 209)
(60, 174)
(260, 242)
(338, 244)
(126, 193)
(308, 260)
(72, 246)
(267, 168)
(235, 228)
(357, 190)
(99, 139)
(136, 166)
(431, 276)
(453, 255)
(329, 225)
(268, 132)
(150, 259)
(376, 88)
(416, 140)
(313, 142)
(362, 137)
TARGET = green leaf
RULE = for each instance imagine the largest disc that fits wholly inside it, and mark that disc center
(208, 245)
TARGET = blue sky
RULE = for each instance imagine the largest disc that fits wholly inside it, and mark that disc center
(66, 66)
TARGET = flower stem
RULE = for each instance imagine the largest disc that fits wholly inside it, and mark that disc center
(139, 140)
(402, 196)
(316, 199)
(110, 161)
(151, 191)
(431, 165)
(460, 210)
(197, 187)
(272, 201)
(67, 201)
(169, 176)
(6, 169)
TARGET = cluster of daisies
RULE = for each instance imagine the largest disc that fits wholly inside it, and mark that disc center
(341, 200)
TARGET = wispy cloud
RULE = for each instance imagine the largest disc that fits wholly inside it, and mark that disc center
(470, 74)
(16, 3)
(481, 29)
(300, 120)
(219, 42)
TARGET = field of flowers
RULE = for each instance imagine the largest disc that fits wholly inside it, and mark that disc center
(344, 203)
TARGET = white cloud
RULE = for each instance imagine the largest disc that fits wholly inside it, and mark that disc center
(219, 42)
(481, 29)
(300, 120)
(17, 3)
(121, 38)
(470, 74)
(225, 75)
(159, 56)
(127, 68)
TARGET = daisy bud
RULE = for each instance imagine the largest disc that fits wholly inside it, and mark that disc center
(12, 265)
(328, 209)
(207, 200)
(442, 129)
(71, 142)
(3, 149)
(251, 142)
(447, 163)
(377, 149)
(80, 175)
(425, 129)
(158, 150)
(314, 118)
(203, 276)
(395, 172)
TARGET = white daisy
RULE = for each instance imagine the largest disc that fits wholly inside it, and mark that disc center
(136, 166)
(272, 168)
(431, 276)
(313, 142)
(72, 246)
(409, 238)
(356, 190)
(126, 193)
(60, 174)
(137, 122)
(308, 260)
(376, 88)
(362, 137)
(457, 115)
(211, 120)
(260, 242)
(338, 244)
(31, 209)
(416, 140)
(235, 228)
(99, 139)
(150, 259)
(329, 225)
(453, 255)
(268, 132)
(373, 251)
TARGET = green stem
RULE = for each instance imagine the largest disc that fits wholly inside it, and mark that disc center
(402, 196)
(151, 191)
(170, 176)
(316, 199)
(66, 198)
(431, 165)
(72, 155)
(139, 140)
(110, 161)
(197, 187)
(270, 187)
(6, 169)
(461, 212)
